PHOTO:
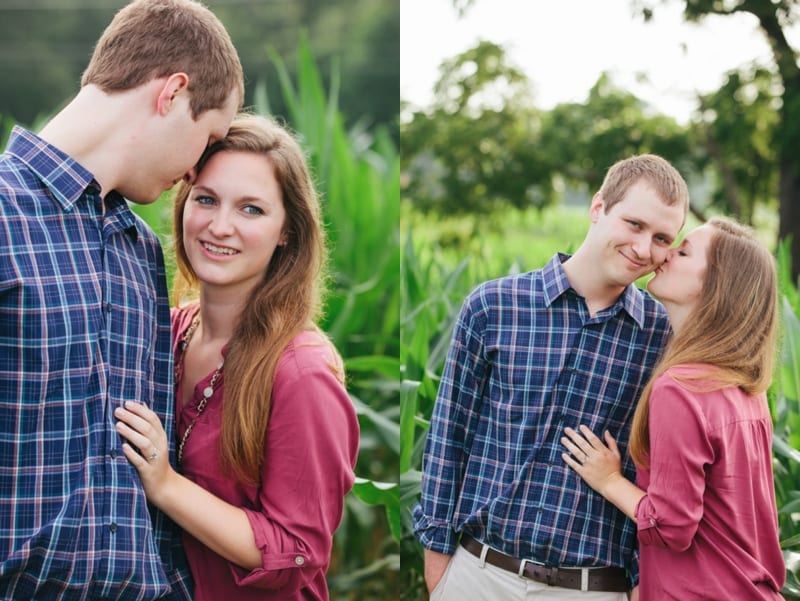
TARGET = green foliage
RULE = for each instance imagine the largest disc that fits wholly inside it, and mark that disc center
(482, 146)
(584, 139)
(785, 405)
(470, 152)
(357, 175)
(737, 126)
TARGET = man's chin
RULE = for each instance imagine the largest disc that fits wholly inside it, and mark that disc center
(141, 199)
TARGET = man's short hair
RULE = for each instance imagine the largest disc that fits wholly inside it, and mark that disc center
(148, 39)
(667, 182)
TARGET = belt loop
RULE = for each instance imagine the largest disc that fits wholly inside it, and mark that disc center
(521, 570)
(484, 551)
(584, 579)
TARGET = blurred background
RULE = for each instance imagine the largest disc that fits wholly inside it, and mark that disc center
(46, 44)
(330, 70)
(511, 114)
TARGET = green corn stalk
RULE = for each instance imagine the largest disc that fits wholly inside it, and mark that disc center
(357, 175)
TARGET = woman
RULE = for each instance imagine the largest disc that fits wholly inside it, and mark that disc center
(267, 436)
(701, 437)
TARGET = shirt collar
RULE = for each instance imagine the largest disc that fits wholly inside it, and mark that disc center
(556, 284)
(64, 177)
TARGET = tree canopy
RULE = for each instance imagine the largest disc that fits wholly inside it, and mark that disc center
(464, 153)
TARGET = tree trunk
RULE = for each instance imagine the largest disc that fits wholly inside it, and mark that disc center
(788, 136)
(789, 212)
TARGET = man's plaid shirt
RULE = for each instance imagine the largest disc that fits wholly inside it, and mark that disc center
(527, 360)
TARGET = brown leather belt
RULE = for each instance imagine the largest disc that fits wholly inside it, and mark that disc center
(581, 579)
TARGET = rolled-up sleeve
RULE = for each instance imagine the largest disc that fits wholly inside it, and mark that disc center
(680, 449)
(453, 422)
(311, 450)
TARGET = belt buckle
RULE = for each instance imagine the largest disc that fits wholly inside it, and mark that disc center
(521, 570)
(550, 573)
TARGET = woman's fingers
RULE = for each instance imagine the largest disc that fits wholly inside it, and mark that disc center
(586, 441)
(590, 437)
(135, 424)
(585, 444)
(136, 438)
(574, 449)
(611, 442)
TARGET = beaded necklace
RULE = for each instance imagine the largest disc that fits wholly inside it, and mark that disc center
(208, 391)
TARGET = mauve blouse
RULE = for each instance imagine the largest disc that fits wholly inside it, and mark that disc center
(708, 525)
(311, 448)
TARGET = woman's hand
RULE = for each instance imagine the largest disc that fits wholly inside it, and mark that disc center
(142, 429)
(599, 465)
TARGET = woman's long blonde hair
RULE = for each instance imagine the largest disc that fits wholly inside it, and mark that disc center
(733, 328)
(287, 301)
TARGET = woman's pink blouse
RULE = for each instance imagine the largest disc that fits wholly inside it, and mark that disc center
(708, 526)
(310, 453)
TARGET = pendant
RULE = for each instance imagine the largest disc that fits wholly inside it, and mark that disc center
(207, 392)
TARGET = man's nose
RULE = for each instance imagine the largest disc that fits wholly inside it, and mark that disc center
(190, 176)
(642, 246)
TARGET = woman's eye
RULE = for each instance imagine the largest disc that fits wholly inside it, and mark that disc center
(253, 210)
(203, 200)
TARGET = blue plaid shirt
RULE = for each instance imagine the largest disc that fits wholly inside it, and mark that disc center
(527, 360)
(84, 327)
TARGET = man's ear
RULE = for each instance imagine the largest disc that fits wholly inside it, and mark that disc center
(175, 84)
(597, 207)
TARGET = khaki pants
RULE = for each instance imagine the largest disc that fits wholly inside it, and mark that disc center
(466, 580)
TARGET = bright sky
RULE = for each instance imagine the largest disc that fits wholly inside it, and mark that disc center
(564, 45)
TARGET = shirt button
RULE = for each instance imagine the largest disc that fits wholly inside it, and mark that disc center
(108, 307)
(299, 560)
(112, 527)
(113, 453)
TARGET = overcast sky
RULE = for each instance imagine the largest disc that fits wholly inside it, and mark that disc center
(564, 45)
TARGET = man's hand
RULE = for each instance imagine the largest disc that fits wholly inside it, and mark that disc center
(435, 565)
(634, 594)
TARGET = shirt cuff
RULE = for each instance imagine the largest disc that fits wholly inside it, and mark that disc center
(434, 535)
(278, 569)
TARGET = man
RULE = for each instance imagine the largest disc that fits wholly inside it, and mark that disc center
(84, 313)
(501, 516)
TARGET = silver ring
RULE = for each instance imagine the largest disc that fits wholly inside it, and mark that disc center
(153, 456)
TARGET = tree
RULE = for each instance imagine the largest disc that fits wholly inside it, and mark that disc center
(483, 145)
(737, 125)
(773, 16)
(584, 139)
(474, 150)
